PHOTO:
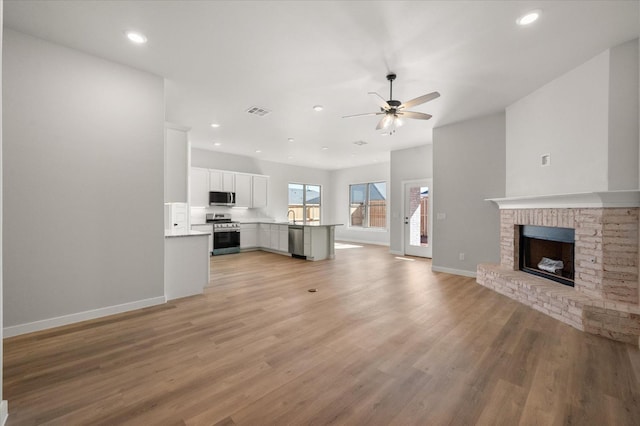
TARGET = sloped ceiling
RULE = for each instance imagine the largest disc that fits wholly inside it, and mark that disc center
(221, 57)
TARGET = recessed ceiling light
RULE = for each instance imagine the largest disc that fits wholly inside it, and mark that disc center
(136, 38)
(318, 107)
(529, 17)
(324, 148)
(290, 139)
(217, 143)
(258, 151)
(215, 125)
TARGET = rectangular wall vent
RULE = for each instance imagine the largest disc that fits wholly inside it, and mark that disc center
(261, 112)
(360, 143)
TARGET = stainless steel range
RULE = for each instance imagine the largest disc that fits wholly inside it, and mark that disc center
(226, 233)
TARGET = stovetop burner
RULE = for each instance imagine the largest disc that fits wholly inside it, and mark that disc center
(219, 218)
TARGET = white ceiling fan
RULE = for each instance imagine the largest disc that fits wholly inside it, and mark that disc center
(394, 111)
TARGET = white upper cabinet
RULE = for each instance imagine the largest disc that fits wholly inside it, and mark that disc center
(222, 181)
(199, 187)
(251, 190)
(259, 191)
(243, 190)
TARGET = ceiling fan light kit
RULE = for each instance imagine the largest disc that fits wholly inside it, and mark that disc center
(394, 110)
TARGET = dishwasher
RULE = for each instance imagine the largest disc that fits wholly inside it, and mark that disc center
(296, 241)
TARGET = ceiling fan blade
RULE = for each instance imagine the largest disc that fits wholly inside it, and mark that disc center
(418, 115)
(384, 123)
(420, 100)
(362, 115)
(380, 101)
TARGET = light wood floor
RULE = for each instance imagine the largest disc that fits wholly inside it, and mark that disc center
(383, 341)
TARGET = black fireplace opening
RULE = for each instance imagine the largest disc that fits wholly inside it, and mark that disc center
(548, 252)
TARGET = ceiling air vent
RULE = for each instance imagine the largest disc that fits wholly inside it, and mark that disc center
(359, 143)
(260, 112)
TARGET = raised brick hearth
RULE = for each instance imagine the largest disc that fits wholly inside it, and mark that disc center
(605, 299)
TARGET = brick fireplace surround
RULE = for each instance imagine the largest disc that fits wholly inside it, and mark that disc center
(605, 299)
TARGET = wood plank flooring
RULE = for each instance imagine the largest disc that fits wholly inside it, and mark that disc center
(383, 341)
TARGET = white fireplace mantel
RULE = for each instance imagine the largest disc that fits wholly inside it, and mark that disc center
(577, 200)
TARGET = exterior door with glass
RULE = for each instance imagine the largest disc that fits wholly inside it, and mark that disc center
(417, 218)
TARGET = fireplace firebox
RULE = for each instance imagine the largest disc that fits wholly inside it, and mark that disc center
(548, 252)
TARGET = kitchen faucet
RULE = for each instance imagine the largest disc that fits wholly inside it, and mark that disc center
(294, 216)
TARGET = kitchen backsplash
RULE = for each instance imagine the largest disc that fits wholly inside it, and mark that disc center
(198, 214)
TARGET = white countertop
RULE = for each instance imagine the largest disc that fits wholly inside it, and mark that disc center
(171, 234)
(273, 222)
(311, 225)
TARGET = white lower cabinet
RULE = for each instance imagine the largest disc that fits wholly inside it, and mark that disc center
(248, 235)
(275, 237)
(307, 241)
(264, 235)
(283, 240)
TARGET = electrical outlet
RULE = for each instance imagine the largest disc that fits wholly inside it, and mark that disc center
(461, 256)
(545, 160)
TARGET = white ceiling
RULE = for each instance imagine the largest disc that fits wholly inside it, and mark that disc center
(221, 57)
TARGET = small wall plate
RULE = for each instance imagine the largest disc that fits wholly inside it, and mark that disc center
(545, 160)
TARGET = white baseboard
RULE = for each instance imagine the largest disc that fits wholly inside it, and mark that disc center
(351, 240)
(4, 412)
(471, 274)
(30, 327)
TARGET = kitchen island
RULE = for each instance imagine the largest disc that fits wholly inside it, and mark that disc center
(309, 241)
(317, 241)
(186, 263)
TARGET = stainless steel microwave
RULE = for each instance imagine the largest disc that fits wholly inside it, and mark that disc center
(219, 198)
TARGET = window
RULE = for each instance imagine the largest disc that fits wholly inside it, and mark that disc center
(368, 205)
(304, 203)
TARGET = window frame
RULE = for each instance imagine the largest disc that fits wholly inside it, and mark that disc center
(366, 221)
(305, 219)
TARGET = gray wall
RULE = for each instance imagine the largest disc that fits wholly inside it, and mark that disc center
(623, 116)
(1, 200)
(340, 196)
(83, 182)
(220, 160)
(566, 118)
(406, 164)
(468, 167)
(587, 119)
(176, 164)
